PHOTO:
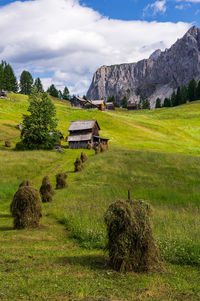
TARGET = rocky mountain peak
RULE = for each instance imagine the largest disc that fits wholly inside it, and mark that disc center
(157, 76)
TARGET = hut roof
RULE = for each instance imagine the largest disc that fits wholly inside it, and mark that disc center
(75, 138)
(97, 102)
(82, 125)
(80, 99)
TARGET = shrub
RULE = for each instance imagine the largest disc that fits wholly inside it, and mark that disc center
(7, 143)
(46, 190)
(61, 180)
(26, 208)
(83, 157)
(131, 244)
(78, 165)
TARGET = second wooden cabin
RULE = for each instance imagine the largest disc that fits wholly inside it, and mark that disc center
(83, 132)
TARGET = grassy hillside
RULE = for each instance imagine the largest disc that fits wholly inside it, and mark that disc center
(153, 153)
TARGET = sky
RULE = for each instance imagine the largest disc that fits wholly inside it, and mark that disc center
(65, 41)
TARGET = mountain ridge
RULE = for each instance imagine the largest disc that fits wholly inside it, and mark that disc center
(158, 76)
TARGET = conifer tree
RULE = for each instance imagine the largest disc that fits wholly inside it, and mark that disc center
(9, 78)
(173, 99)
(66, 93)
(198, 91)
(184, 94)
(38, 85)
(167, 102)
(178, 97)
(52, 91)
(1, 77)
(26, 82)
(192, 90)
(158, 103)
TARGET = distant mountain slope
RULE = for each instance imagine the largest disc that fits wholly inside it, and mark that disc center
(155, 77)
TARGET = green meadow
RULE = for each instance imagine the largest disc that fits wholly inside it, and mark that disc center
(155, 154)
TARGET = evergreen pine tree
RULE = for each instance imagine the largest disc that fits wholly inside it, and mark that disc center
(38, 85)
(26, 82)
(178, 97)
(9, 78)
(1, 77)
(192, 90)
(66, 93)
(184, 94)
(167, 102)
(158, 103)
(124, 102)
(52, 91)
(173, 99)
(39, 127)
(198, 91)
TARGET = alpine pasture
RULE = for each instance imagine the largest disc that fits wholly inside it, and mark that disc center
(155, 154)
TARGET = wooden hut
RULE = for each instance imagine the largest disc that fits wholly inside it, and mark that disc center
(110, 106)
(77, 102)
(83, 132)
(132, 106)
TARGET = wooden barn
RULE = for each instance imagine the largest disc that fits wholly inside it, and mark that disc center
(83, 132)
(87, 104)
(77, 102)
(132, 106)
(110, 106)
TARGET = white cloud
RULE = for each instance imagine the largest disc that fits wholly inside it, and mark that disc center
(68, 41)
(155, 8)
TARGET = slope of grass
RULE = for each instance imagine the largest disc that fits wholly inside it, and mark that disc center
(153, 153)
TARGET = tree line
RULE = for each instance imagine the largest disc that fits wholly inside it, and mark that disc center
(8, 82)
(183, 95)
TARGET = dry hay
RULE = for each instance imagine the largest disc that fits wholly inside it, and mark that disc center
(46, 190)
(7, 143)
(89, 146)
(84, 157)
(102, 147)
(78, 165)
(25, 183)
(97, 149)
(61, 180)
(26, 208)
(131, 244)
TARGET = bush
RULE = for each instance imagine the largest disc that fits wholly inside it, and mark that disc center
(83, 157)
(61, 180)
(26, 208)
(78, 165)
(46, 190)
(131, 244)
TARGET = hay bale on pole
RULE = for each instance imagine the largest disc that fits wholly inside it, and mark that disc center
(78, 165)
(84, 157)
(26, 208)
(46, 190)
(61, 180)
(7, 143)
(131, 245)
(97, 149)
(25, 183)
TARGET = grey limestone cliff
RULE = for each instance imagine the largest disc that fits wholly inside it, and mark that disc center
(150, 78)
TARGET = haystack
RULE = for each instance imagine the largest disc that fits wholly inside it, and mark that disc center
(89, 146)
(102, 148)
(25, 183)
(78, 165)
(131, 245)
(61, 180)
(84, 157)
(46, 190)
(26, 208)
(97, 149)
(7, 143)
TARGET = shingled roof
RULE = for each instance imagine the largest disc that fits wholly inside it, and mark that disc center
(82, 125)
